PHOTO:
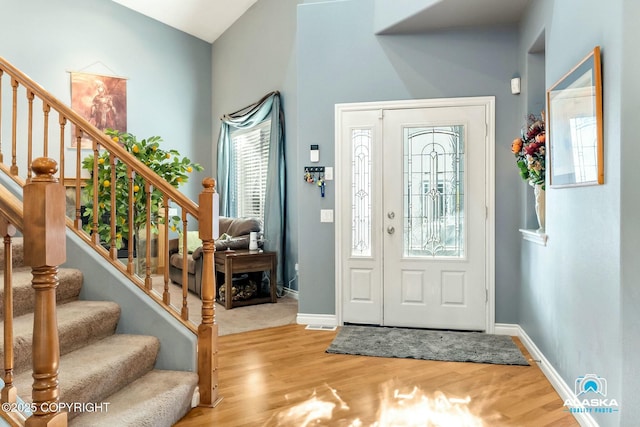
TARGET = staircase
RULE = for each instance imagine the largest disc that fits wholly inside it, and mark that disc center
(106, 379)
(62, 352)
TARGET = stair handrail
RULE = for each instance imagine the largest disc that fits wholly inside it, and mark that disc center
(11, 208)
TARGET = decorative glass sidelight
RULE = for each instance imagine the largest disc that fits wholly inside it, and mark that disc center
(361, 145)
(433, 169)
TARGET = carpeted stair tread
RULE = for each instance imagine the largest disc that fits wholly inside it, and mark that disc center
(24, 295)
(92, 373)
(158, 399)
(79, 323)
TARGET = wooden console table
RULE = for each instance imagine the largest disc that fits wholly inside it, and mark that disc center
(246, 261)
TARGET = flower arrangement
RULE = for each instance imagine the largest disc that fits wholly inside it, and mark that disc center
(166, 163)
(530, 150)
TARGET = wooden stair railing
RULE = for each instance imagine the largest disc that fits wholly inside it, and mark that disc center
(27, 127)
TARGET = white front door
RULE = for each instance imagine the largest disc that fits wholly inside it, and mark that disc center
(435, 210)
(412, 216)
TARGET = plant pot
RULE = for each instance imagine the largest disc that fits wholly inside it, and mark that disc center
(141, 253)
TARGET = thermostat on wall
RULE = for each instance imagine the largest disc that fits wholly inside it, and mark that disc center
(315, 153)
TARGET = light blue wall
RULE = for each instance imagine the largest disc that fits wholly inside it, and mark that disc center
(570, 297)
(257, 55)
(169, 72)
(341, 60)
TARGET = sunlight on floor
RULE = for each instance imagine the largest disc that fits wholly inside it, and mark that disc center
(400, 406)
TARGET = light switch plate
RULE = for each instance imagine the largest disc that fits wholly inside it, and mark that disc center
(328, 173)
(326, 215)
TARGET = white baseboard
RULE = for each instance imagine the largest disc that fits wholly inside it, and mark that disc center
(317, 319)
(507, 329)
(561, 387)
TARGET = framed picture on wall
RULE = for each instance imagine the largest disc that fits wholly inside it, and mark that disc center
(574, 125)
(100, 99)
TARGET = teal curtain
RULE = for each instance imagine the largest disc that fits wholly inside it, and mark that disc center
(274, 211)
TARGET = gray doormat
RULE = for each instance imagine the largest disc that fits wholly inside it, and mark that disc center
(427, 345)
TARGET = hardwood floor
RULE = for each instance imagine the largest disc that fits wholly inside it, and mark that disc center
(265, 374)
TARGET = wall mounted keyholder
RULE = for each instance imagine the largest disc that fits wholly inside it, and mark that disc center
(315, 174)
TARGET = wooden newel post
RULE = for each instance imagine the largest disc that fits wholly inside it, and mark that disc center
(208, 329)
(44, 250)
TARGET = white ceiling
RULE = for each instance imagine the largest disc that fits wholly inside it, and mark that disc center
(204, 19)
(208, 19)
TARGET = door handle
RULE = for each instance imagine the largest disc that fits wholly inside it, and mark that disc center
(391, 229)
(391, 215)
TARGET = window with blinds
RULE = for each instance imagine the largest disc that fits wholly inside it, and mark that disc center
(250, 154)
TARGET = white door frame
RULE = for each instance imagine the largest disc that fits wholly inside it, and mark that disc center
(489, 103)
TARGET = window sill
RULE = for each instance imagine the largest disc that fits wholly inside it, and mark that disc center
(539, 238)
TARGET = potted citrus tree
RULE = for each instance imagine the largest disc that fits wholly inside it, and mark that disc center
(168, 164)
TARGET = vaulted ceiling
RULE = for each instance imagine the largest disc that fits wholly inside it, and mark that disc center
(208, 19)
(204, 19)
